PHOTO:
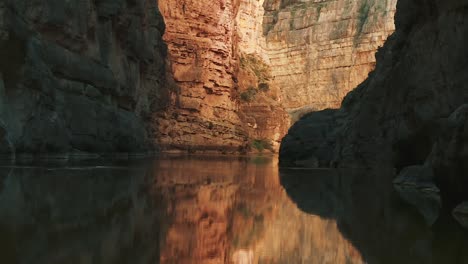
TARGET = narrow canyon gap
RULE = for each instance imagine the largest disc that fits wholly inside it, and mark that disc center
(86, 77)
(244, 70)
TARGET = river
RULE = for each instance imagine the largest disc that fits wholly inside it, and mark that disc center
(207, 209)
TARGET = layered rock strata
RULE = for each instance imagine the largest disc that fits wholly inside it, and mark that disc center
(317, 50)
(79, 76)
(410, 111)
(314, 54)
(201, 38)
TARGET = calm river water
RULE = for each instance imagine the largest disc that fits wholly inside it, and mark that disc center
(204, 209)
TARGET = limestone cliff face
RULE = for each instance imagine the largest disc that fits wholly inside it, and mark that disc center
(320, 50)
(79, 75)
(202, 45)
(238, 64)
(410, 111)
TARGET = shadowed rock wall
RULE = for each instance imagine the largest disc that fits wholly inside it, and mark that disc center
(410, 111)
(79, 76)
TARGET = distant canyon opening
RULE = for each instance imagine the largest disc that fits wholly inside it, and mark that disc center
(240, 72)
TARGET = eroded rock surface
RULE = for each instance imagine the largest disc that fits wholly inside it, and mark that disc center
(399, 116)
(460, 213)
(318, 50)
(393, 117)
(80, 75)
(201, 38)
(314, 53)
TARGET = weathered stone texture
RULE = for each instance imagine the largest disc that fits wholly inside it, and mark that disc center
(411, 110)
(201, 38)
(318, 50)
(79, 75)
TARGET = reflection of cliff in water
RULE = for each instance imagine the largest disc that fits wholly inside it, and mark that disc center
(235, 211)
(379, 225)
(169, 210)
(77, 215)
(202, 210)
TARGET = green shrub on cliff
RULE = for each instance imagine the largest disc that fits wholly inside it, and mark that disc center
(249, 95)
(262, 144)
(264, 87)
(257, 66)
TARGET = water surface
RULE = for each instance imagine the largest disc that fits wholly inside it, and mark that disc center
(203, 209)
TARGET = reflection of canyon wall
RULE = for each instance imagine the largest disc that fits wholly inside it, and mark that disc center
(85, 215)
(216, 216)
(269, 228)
(380, 226)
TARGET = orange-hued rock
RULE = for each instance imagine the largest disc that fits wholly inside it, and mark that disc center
(261, 111)
(201, 39)
(237, 65)
(216, 217)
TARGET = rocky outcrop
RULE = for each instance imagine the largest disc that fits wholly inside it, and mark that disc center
(261, 112)
(396, 114)
(415, 185)
(460, 213)
(79, 76)
(202, 43)
(410, 111)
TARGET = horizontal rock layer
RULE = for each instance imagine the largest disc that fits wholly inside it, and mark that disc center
(317, 50)
(315, 53)
(201, 38)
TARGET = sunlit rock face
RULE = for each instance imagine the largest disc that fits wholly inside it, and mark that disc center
(238, 65)
(79, 75)
(202, 45)
(317, 50)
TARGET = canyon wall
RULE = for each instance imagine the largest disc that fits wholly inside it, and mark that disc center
(207, 112)
(317, 50)
(84, 76)
(79, 76)
(201, 38)
(410, 112)
(238, 65)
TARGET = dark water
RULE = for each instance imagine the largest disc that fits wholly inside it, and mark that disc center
(213, 210)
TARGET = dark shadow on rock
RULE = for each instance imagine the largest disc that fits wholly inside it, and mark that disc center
(370, 214)
(78, 214)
